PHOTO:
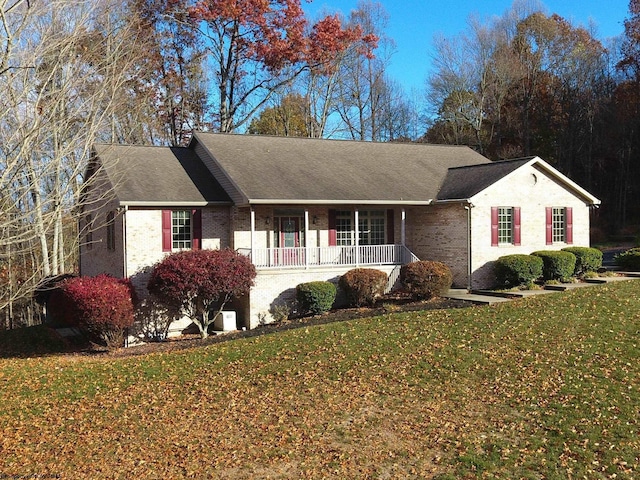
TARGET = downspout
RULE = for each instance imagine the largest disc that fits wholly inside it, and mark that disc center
(125, 270)
(253, 229)
(468, 208)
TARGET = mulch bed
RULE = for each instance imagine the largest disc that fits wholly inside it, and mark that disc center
(386, 305)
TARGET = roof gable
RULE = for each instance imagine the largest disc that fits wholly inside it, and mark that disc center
(267, 169)
(463, 183)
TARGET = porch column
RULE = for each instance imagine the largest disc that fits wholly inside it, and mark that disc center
(357, 239)
(403, 217)
(306, 238)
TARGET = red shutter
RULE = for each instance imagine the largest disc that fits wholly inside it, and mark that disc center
(494, 226)
(390, 226)
(516, 226)
(549, 225)
(196, 233)
(166, 231)
(568, 224)
(333, 236)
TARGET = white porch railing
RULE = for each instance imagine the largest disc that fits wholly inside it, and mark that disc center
(303, 257)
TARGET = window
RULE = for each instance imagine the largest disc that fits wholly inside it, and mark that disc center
(180, 229)
(559, 225)
(344, 228)
(505, 226)
(111, 231)
(372, 227)
(89, 231)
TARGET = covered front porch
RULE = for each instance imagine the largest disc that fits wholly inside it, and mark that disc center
(323, 236)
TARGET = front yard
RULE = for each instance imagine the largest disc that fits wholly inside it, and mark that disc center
(544, 387)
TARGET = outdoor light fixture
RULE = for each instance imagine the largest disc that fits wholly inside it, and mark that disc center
(315, 219)
(267, 220)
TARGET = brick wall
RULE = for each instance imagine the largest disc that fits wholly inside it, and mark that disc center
(532, 191)
(439, 233)
(144, 238)
(277, 287)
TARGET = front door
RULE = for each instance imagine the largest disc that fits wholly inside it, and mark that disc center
(289, 239)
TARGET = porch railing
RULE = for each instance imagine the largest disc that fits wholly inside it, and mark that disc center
(302, 257)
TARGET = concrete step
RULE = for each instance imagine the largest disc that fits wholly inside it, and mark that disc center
(463, 294)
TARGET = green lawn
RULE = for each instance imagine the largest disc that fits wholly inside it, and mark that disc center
(542, 388)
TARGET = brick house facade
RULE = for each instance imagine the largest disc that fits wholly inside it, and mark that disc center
(306, 209)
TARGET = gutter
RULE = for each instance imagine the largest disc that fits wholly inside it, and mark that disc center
(137, 203)
(337, 202)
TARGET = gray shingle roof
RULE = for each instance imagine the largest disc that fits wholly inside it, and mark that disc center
(303, 170)
(462, 183)
(159, 175)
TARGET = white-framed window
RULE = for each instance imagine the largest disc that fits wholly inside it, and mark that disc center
(558, 224)
(181, 229)
(371, 227)
(344, 228)
(505, 225)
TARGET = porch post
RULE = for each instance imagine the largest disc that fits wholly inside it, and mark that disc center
(403, 217)
(306, 238)
(357, 239)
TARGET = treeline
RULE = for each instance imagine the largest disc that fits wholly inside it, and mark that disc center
(530, 83)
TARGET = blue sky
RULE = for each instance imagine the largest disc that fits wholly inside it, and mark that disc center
(414, 23)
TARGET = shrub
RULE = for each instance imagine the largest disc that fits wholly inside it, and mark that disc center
(153, 318)
(426, 279)
(518, 269)
(363, 286)
(315, 297)
(629, 260)
(100, 306)
(587, 259)
(557, 265)
(201, 282)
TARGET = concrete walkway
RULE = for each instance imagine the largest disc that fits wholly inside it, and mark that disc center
(490, 297)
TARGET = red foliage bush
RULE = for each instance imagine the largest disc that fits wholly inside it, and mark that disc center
(426, 279)
(363, 285)
(199, 280)
(101, 306)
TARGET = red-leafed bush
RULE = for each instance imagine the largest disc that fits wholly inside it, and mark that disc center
(201, 282)
(426, 279)
(363, 285)
(101, 306)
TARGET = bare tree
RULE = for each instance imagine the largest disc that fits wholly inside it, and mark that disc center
(65, 64)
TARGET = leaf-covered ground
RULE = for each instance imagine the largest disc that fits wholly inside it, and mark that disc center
(542, 388)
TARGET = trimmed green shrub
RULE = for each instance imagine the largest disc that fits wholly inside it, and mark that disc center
(315, 297)
(363, 286)
(587, 259)
(557, 265)
(517, 269)
(629, 260)
(426, 279)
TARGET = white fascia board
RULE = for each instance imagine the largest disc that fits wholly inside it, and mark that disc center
(338, 202)
(571, 185)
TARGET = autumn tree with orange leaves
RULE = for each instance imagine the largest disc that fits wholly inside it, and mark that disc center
(256, 47)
